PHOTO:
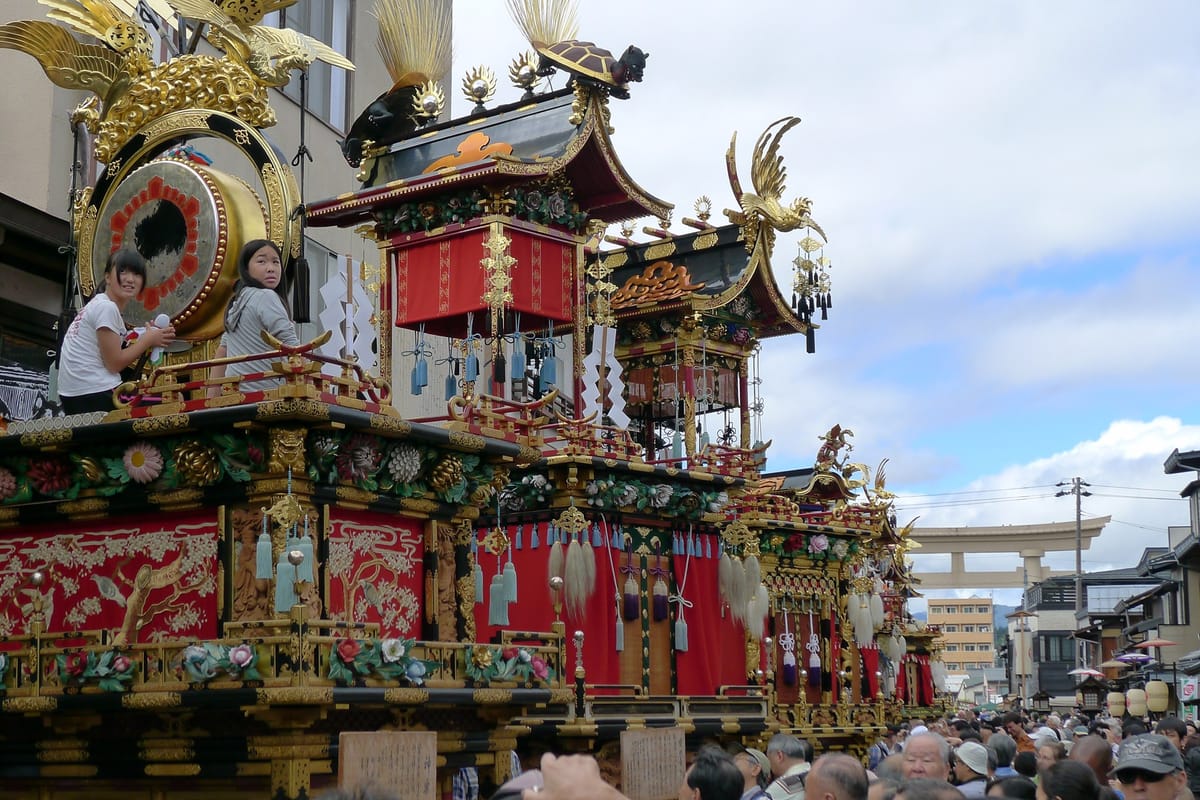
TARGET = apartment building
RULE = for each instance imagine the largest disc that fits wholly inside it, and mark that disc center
(967, 626)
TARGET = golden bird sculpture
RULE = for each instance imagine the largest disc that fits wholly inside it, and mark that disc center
(769, 177)
(106, 69)
(269, 53)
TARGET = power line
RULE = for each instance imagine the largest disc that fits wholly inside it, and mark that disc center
(969, 502)
(984, 491)
(1135, 497)
(1133, 488)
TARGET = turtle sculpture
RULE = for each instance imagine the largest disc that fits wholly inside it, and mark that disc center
(594, 65)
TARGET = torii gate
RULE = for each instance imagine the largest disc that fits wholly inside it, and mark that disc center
(1031, 542)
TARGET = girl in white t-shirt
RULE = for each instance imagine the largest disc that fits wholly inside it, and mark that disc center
(92, 358)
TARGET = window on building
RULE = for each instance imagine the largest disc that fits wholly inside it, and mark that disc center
(951, 609)
(983, 610)
(952, 665)
(950, 628)
(970, 648)
(1056, 648)
(951, 648)
(968, 628)
(983, 648)
(984, 628)
(328, 21)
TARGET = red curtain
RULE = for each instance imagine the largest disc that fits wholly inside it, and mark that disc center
(534, 609)
(716, 653)
(870, 659)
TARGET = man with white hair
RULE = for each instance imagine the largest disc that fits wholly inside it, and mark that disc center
(790, 759)
(926, 755)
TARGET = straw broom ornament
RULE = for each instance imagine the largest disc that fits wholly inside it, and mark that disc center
(579, 564)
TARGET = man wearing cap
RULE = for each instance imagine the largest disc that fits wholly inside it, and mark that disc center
(1149, 767)
(755, 769)
(971, 769)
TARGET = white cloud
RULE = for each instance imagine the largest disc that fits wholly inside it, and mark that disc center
(1122, 463)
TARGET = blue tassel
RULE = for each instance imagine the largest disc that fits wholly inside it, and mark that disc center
(306, 568)
(422, 370)
(498, 603)
(681, 635)
(691, 548)
(677, 447)
(451, 386)
(518, 537)
(707, 547)
(510, 580)
(285, 578)
(551, 534)
(549, 372)
(677, 544)
(262, 557)
(518, 361)
(616, 539)
(478, 583)
(620, 635)
(472, 367)
(597, 541)
(533, 536)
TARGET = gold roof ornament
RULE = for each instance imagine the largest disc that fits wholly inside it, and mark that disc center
(269, 53)
(522, 72)
(131, 91)
(769, 177)
(479, 86)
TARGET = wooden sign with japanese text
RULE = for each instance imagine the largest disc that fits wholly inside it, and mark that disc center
(653, 763)
(402, 763)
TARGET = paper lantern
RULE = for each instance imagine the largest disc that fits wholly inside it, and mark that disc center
(1135, 701)
(1158, 696)
(1116, 704)
(1079, 699)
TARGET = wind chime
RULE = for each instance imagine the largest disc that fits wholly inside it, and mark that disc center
(811, 286)
(453, 369)
(421, 353)
(295, 551)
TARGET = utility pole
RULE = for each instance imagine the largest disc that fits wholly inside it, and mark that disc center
(1077, 489)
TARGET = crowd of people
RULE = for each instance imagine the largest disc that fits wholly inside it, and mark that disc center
(963, 756)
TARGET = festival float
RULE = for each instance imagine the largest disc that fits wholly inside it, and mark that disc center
(207, 591)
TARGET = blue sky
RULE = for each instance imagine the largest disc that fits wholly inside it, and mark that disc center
(1011, 194)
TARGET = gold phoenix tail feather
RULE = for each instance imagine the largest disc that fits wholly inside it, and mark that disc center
(414, 40)
(544, 22)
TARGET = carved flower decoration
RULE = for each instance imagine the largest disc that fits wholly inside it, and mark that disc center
(392, 650)
(818, 543)
(359, 459)
(347, 649)
(840, 548)
(242, 656)
(8, 484)
(50, 476)
(143, 463)
(481, 657)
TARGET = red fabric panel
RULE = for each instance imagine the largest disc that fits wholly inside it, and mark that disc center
(716, 644)
(534, 609)
(926, 682)
(90, 568)
(870, 657)
(375, 570)
(902, 679)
